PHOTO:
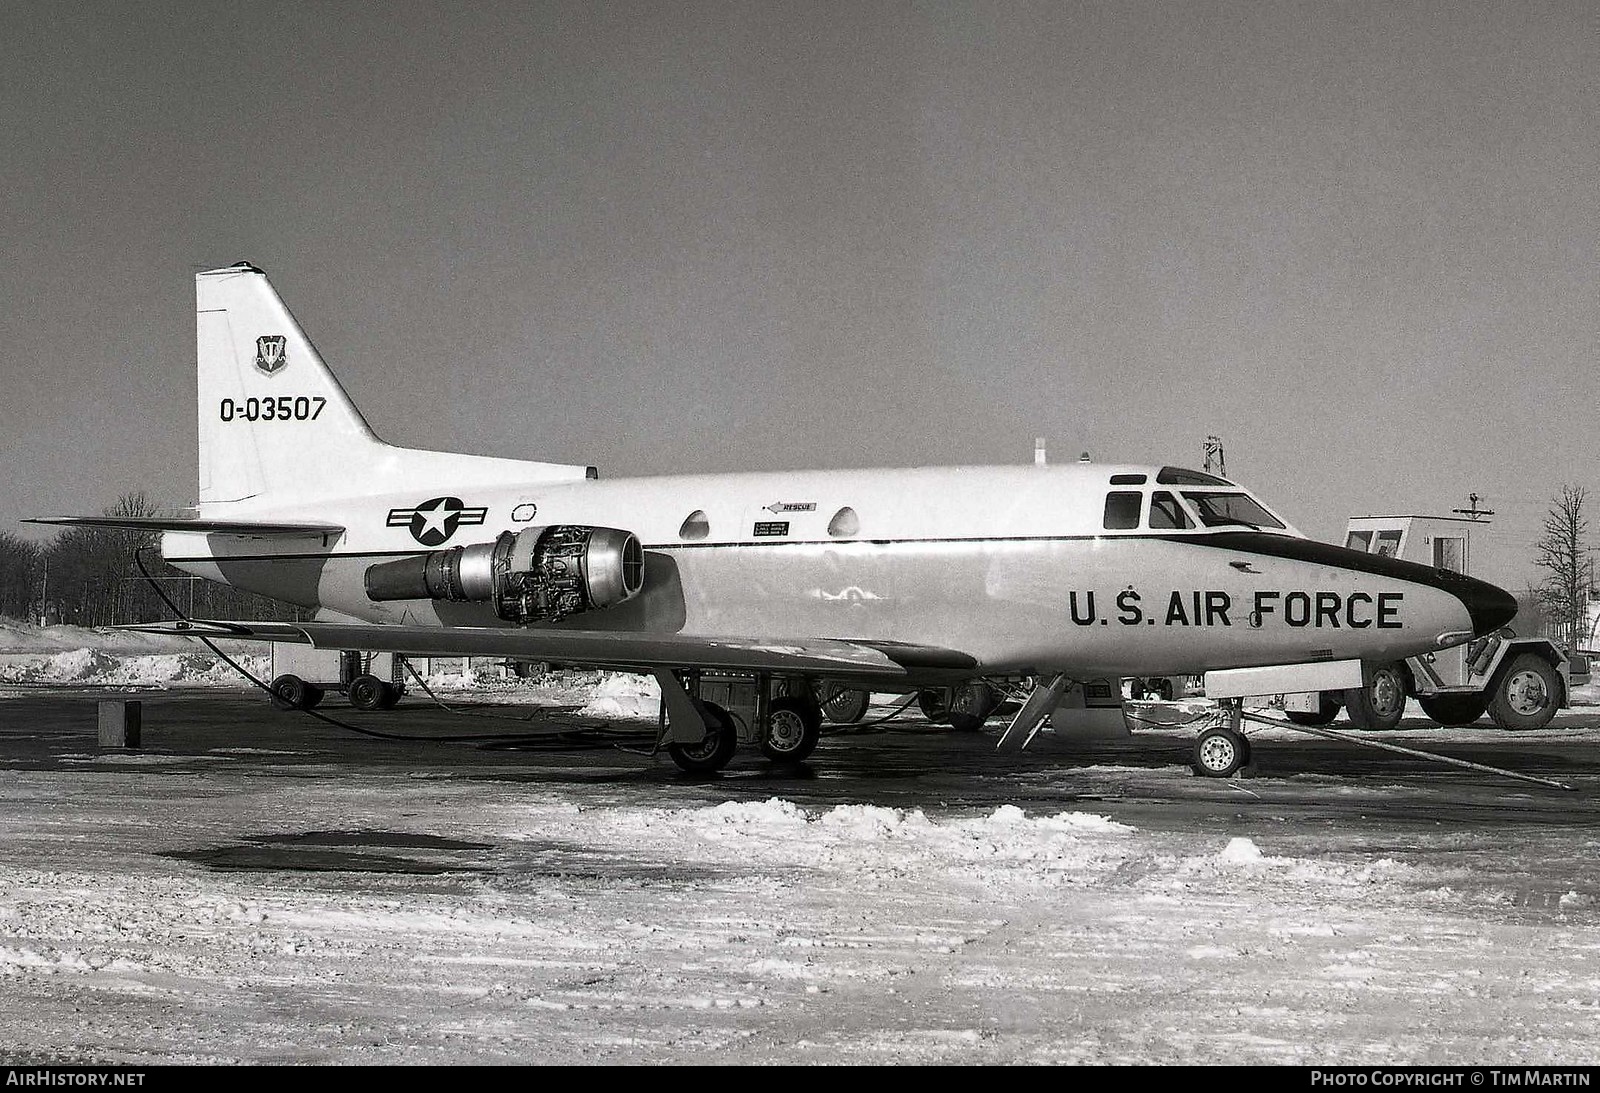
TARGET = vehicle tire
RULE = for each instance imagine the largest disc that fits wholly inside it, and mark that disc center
(935, 705)
(971, 704)
(1220, 752)
(793, 727)
(293, 693)
(1327, 709)
(366, 692)
(1136, 689)
(712, 753)
(1448, 709)
(1527, 694)
(843, 705)
(1162, 688)
(391, 697)
(1379, 704)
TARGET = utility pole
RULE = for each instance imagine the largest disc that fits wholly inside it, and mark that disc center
(1474, 512)
(1214, 463)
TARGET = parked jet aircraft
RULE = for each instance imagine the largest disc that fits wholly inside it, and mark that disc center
(899, 579)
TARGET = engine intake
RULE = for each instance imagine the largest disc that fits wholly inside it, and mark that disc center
(533, 575)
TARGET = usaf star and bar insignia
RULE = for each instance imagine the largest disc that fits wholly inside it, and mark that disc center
(433, 522)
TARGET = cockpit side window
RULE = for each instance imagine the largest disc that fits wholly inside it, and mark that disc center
(1122, 510)
(1166, 512)
(1359, 540)
(1222, 509)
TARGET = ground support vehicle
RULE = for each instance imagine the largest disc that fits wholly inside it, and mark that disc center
(1519, 682)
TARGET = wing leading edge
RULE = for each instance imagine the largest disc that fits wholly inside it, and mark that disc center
(622, 650)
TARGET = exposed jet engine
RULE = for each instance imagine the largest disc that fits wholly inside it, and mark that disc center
(534, 575)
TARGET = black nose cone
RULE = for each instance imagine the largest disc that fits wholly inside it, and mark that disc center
(1490, 606)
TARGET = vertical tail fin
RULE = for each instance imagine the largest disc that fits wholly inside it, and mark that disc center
(272, 417)
(277, 431)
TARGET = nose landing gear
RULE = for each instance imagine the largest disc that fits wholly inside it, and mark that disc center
(1221, 751)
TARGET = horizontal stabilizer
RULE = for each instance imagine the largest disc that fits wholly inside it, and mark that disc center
(179, 523)
(616, 649)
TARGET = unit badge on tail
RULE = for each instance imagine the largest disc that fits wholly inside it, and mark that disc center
(435, 521)
(271, 353)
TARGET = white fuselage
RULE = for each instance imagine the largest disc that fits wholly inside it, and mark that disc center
(1013, 565)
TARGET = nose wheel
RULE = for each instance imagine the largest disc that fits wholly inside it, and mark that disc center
(1220, 752)
(1222, 749)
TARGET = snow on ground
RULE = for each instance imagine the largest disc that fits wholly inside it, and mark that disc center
(246, 904)
(147, 918)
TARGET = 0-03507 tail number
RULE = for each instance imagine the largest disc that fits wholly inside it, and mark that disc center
(282, 408)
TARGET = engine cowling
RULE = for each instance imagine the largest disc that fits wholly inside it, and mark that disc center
(534, 575)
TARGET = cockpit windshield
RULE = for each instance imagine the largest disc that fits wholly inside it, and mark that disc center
(1221, 509)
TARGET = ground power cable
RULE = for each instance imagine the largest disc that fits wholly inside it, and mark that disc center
(561, 741)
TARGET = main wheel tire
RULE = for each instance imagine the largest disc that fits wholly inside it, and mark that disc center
(1380, 703)
(1162, 688)
(711, 754)
(391, 697)
(1447, 709)
(1219, 753)
(843, 705)
(793, 727)
(1328, 706)
(1527, 695)
(971, 704)
(935, 705)
(290, 692)
(366, 692)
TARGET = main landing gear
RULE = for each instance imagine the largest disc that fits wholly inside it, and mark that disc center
(783, 718)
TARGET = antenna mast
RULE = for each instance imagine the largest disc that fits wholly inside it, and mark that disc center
(1474, 513)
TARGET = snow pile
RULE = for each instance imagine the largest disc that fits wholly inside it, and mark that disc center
(624, 696)
(1240, 851)
(95, 667)
(1005, 846)
(23, 637)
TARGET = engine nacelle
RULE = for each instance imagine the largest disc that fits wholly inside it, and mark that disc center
(533, 575)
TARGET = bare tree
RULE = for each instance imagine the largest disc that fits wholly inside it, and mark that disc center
(20, 563)
(95, 578)
(1563, 553)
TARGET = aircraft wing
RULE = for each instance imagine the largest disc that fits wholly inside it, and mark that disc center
(179, 523)
(617, 649)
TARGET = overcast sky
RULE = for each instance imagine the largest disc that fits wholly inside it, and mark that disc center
(1358, 241)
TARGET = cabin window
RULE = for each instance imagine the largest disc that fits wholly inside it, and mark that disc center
(1166, 512)
(1128, 479)
(695, 527)
(1222, 509)
(1359, 540)
(1122, 510)
(845, 524)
